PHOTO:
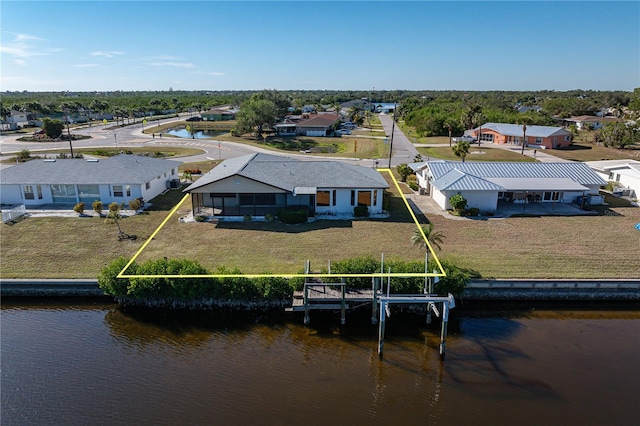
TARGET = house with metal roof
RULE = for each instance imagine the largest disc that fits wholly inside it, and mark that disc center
(485, 184)
(537, 137)
(121, 178)
(257, 184)
(625, 174)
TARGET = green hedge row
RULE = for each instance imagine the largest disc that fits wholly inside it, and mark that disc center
(255, 289)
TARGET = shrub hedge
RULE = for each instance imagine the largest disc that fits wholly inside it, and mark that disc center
(242, 288)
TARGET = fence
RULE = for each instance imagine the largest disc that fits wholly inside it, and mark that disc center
(14, 213)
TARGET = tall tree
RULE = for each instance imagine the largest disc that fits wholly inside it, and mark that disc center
(255, 114)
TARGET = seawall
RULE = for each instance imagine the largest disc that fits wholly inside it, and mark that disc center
(490, 290)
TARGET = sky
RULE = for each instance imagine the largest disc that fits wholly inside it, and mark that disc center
(319, 45)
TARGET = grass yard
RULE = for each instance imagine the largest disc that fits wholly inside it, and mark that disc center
(586, 151)
(545, 247)
(525, 247)
(484, 153)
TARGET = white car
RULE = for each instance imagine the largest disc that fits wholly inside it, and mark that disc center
(469, 139)
(343, 132)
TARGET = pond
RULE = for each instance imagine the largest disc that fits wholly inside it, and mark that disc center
(182, 132)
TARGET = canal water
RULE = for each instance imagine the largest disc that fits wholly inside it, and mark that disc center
(97, 364)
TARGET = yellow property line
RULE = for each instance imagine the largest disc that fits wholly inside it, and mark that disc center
(441, 273)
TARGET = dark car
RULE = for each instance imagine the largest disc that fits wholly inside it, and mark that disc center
(194, 119)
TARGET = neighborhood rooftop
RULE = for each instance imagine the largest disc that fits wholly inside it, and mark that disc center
(516, 130)
(121, 168)
(288, 174)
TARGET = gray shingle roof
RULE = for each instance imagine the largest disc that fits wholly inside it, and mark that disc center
(125, 169)
(287, 173)
(480, 176)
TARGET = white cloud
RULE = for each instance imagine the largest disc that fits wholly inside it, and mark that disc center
(20, 48)
(86, 65)
(20, 62)
(106, 54)
(173, 64)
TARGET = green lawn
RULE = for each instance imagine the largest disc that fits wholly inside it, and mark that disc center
(528, 247)
(587, 151)
(475, 154)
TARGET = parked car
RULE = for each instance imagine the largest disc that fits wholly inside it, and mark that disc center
(194, 119)
(469, 139)
(349, 125)
(343, 132)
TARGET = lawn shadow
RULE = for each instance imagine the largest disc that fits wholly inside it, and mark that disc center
(282, 227)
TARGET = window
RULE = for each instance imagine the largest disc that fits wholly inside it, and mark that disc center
(88, 193)
(63, 193)
(39, 189)
(375, 198)
(353, 197)
(27, 190)
(128, 190)
(364, 198)
(335, 198)
(538, 141)
(265, 199)
(323, 198)
(173, 172)
(246, 199)
(147, 185)
(486, 137)
(567, 137)
(617, 177)
(117, 191)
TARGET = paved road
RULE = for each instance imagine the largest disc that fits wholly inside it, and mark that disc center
(403, 151)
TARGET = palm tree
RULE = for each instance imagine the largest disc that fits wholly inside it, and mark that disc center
(433, 237)
(461, 149)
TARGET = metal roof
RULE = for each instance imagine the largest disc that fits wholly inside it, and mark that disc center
(288, 173)
(538, 184)
(516, 130)
(123, 168)
(487, 176)
(455, 180)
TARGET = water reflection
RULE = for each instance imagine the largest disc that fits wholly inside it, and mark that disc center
(195, 134)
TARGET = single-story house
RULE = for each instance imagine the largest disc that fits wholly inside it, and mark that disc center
(540, 137)
(121, 178)
(217, 115)
(308, 125)
(581, 122)
(484, 184)
(257, 184)
(626, 173)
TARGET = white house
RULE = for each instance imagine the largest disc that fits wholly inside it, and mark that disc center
(121, 178)
(626, 173)
(257, 184)
(484, 184)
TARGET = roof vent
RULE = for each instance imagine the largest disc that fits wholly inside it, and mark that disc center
(49, 160)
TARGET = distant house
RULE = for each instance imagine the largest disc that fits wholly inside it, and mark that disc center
(541, 137)
(20, 117)
(525, 108)
(308, 125)
(484, 184)
(217, 115)
(583, 121)
(121, 178)
(257, 184)
(626, 174)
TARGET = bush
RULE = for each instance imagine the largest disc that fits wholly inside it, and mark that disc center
(135, 204)
(200, 218)
(361, 211)
(108, 282)
(97, 207)
(79, 208)
(293, 217)
(24, 155)
(404, 171)
(473, 211)
(247, 217)
(268, 217)
(458, 202)
(413, 185)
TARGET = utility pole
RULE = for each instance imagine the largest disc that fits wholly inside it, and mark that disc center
(393, 128)
(69, 133)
